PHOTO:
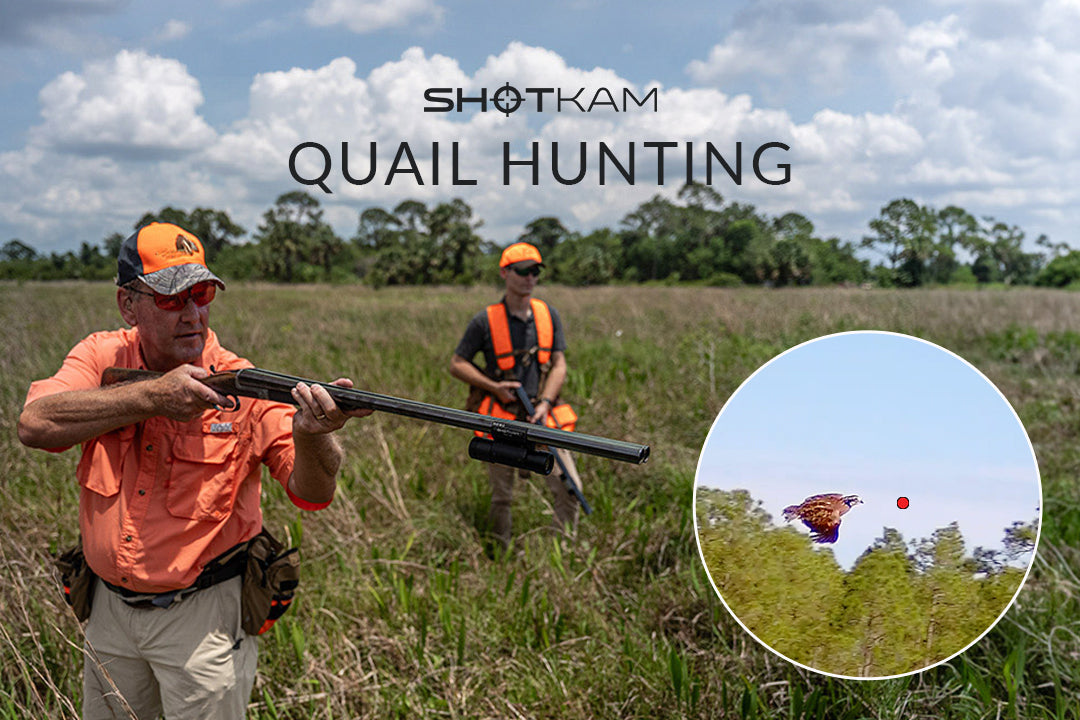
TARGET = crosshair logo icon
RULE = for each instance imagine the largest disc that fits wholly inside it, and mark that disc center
(507, 99)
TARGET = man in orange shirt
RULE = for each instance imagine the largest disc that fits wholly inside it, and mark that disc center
(169, 481)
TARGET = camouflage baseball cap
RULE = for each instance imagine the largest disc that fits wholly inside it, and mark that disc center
(166, 257)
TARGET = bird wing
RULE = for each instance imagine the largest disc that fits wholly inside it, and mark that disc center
(827, 536)
(823, 496)
(822, 516)
(809, 506)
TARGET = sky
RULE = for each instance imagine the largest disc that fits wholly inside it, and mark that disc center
(112, 108)
(881, 416)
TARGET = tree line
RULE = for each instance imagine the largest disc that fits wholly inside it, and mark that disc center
(902, 607)
(697, 237)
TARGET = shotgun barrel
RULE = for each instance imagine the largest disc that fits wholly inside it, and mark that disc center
(268, 385)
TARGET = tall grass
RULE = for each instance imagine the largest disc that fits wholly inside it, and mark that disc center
(401, 613)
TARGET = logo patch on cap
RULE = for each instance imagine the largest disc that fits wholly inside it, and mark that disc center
(186, 245)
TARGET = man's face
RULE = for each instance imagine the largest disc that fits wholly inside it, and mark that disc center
(167, 338)
(521, 284)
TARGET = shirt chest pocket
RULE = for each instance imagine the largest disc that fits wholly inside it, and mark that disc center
(104, 459)
(205, 473)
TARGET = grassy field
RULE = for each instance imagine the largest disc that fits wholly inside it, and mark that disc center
(401, 614)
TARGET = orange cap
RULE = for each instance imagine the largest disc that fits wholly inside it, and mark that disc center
(164, 256)
(520, 252)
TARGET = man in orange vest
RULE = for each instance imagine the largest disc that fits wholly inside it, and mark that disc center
(523, 345)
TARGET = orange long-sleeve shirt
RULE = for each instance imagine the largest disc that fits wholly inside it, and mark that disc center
(160, 498)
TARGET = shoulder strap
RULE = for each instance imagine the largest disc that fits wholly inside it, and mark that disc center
(545, 330)
(499, 324)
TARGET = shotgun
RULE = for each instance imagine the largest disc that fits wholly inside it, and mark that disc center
(511, 442)
(568, 481)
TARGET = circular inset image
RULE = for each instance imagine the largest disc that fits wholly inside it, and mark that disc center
(867, 505)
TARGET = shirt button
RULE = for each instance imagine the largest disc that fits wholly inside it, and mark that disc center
(127, 538)
(142, 492)
(149, 448)
(123, 579)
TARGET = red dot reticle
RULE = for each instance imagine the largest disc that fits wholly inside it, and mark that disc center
(902, 503)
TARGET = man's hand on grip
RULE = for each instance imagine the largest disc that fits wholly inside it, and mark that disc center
(504, 390)
(179, 394)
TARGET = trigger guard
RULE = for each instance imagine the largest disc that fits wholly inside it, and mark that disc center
(233, 407)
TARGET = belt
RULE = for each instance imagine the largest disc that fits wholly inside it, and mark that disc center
(224, 567)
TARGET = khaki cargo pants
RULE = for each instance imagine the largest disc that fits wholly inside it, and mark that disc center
(564, 505)
(191, 660)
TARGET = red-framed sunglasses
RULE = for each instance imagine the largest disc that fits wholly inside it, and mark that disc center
(202, 293)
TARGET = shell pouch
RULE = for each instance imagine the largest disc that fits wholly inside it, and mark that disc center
(270, 581)
(562, 417)
(77, 579)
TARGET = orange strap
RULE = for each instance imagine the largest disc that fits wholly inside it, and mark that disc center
(499, 323)
(545, 330)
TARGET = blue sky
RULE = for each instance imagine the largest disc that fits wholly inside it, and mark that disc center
(111, 108)
(881, 416)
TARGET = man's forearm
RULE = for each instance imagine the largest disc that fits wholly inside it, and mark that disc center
(73, 417)
(315, 468)
(465, 371)
(555, 379)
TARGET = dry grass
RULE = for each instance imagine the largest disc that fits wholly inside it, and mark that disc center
(402, 614)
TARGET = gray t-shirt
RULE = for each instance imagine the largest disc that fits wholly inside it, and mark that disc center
(477, 338)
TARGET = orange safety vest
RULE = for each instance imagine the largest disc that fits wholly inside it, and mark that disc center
(499, 322)
(561, 415)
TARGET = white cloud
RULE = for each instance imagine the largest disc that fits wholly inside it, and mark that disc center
(368, 16)
(969, 99)
(134, 103)
(291, 107)
(116, 139)
(398, 89)
(174, 30)
(527, 66)
(957, 112)
(824, 54)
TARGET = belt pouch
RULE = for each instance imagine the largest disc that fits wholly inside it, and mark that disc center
(270, 581)
(77, 579)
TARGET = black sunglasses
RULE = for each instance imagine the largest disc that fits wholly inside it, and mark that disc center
(531, 270)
